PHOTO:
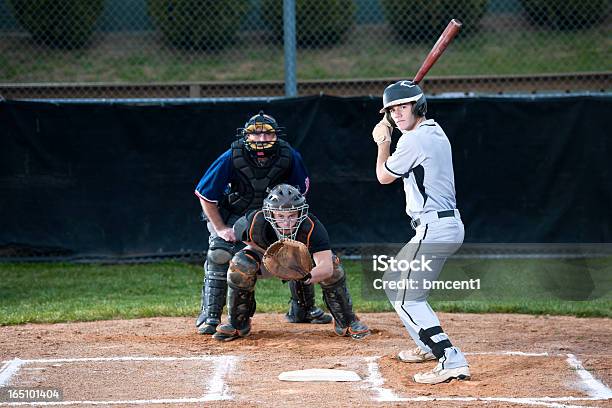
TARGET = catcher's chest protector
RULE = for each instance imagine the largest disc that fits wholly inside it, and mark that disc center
(249, 190)
(263, 234)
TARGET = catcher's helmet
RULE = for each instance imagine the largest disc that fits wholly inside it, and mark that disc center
(405, 92)
(260, 124)
(279, 208)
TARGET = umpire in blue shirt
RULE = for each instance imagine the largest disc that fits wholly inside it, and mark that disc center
(236, 183)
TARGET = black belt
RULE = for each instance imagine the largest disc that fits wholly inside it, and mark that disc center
(441, 214)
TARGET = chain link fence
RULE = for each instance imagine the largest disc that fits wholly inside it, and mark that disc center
(234, 48)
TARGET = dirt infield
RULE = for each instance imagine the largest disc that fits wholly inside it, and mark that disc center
(516, 360)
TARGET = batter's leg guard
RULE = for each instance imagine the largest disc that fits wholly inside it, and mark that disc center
(241, 306)
(302, 307)
(214, 287)
(436, 340)
(339, 303)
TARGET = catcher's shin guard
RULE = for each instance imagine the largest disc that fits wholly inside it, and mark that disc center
(241, 306)
(241, 280)
(302, 307)
(214, 290)
(338, 300)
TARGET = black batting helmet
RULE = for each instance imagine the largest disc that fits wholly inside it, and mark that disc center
(404, 92)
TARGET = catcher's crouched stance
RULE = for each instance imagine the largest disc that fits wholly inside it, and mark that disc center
(282, 240)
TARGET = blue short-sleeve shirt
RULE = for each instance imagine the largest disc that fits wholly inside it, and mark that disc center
(216, 181)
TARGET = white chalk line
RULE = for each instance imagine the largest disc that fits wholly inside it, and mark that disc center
(593, 387)
(375, 382)
(217, 389)
(128, 358)
(8, 370)
(590, 384)
(510, 353)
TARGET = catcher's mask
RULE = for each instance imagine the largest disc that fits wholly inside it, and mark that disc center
(403, 92)
(260, 134)
(285, 209)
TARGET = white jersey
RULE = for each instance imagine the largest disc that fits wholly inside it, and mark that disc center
(423, 158)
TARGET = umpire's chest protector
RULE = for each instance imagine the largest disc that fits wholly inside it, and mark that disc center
(250, 181)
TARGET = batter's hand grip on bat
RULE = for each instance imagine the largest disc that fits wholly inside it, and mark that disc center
(446, 37)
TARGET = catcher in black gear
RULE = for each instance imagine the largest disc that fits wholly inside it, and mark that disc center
(285, 217)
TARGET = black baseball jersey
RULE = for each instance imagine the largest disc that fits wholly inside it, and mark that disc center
(253, 227)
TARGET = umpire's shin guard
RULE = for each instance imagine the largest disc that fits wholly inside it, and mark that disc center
(214, 291)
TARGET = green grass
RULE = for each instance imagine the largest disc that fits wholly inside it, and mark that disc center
(75, 292)
(367, 54)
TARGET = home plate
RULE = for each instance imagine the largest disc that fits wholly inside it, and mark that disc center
(319, 374)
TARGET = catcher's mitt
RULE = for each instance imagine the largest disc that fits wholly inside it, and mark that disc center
(288, 259)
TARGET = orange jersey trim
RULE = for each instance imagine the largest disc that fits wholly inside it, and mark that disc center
(252, 225)
(312, 225)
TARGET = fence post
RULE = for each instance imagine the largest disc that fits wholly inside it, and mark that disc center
(290, 53)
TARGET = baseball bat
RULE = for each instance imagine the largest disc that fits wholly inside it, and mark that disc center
(451, 30)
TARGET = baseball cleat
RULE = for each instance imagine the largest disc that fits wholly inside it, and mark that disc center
(315, 316)
(356, 330)
(440, 375)
(323, 319)
(416, 355)
(207, 329)
(201, 318)
(227, 332)
(358, 335)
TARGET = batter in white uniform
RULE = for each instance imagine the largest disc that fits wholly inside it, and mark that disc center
(423, 160)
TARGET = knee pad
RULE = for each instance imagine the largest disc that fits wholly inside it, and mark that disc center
(220, 251)
(337, 274)
(218, 256)
(243, 270)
